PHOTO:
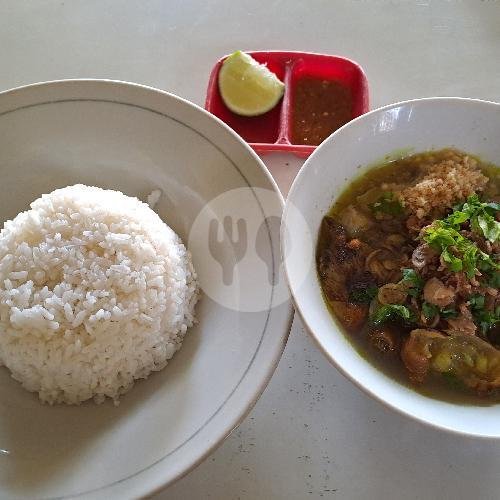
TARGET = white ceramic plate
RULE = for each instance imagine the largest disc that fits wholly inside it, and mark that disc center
(136, 139)
(470, 125)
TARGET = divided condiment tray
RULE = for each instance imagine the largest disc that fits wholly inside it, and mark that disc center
(273, 131)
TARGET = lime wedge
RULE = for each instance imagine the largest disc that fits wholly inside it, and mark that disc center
(247, 87)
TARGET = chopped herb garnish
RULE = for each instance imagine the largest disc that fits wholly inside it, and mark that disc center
(489, 226)
(389, 204)
(441, 236)
(448, 312)
(494, 206)
(481, 217)
(470, 260)
(494, 280)
(486, 319)
(476, 302)
(457, 218)
(363, 295)
(454, 263)
(429, 310)
(482, 317)
(458, 252)
(413, 281)
(392, 311)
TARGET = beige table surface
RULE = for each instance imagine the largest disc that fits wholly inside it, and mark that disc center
(312, 434)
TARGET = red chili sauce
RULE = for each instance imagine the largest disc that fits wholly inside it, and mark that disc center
(319, 108)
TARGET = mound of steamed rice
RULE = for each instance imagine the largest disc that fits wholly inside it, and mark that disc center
(96, 291)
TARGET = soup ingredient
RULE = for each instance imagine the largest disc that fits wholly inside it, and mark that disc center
(412, 282)
(247, 87)
(353, 315)
(437, 293)
(391, 311)
(481, 217)
(385, 339)
(442, 183)
(392, 293)
(363, 295)
(457, 251)
(470, 360)
(436, 305)
(389, 204)
(319, 107)
(96, 291)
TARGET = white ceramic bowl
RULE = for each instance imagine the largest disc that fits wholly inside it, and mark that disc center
(136, 139)
(423, 124)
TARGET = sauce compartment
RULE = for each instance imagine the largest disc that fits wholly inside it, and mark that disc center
(274, 131)
(324, 93)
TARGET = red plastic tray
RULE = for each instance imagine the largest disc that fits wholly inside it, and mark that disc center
(272, 131)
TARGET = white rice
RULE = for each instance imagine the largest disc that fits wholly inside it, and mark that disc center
(96, 291)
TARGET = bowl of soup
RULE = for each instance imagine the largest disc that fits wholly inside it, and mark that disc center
(391, 243)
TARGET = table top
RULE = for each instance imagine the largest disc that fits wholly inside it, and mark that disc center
(312, 434)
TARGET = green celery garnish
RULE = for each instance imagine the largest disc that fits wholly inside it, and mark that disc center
(429, 310)
(391, 311)
(444, 238)
(363, 295)
(414, 282)
(389, 204)
(481, 216)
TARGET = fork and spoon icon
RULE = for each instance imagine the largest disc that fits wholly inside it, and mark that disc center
(238, 240)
